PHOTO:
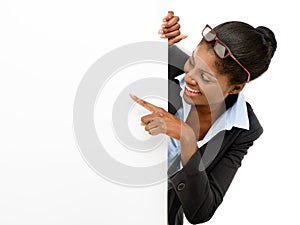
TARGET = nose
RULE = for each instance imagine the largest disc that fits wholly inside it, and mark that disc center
(189, 79)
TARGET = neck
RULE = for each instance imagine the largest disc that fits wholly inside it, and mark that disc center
(212, 111)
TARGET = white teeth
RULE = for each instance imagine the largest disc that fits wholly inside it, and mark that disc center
(192, 90)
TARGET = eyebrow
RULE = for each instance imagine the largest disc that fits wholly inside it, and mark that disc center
(200, 68)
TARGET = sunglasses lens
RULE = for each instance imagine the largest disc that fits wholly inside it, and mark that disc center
(208, 34)
(221, 50)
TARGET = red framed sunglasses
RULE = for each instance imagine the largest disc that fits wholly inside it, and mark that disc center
(220, 47)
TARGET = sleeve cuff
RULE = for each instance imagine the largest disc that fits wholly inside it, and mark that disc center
(193, 167)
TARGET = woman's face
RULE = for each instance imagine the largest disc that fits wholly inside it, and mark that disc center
(204, 85)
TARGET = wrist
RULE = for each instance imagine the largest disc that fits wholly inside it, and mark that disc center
(187, 134)
(188, 144)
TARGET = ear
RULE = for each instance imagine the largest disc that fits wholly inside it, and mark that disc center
(236, 88)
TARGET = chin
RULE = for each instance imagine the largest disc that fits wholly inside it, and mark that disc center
(194, 100)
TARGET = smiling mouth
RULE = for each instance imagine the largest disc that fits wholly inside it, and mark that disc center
(192, 92)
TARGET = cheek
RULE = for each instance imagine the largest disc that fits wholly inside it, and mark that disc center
(213, 94)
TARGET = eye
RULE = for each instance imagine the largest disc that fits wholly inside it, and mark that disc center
(204, 77)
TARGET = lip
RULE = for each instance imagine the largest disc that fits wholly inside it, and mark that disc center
(191, 92)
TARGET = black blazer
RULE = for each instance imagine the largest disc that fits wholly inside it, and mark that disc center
(198, 193)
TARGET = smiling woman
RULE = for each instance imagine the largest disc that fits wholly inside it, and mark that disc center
(210, 125)
(212, 105)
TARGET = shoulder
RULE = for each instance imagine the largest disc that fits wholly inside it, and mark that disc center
(255, 128)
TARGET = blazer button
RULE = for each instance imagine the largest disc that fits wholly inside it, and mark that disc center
(180, 186)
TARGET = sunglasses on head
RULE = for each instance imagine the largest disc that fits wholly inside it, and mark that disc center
(220, 48)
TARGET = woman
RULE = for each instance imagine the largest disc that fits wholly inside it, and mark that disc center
(210, 125)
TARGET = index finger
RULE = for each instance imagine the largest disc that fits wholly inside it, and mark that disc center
(152, 108)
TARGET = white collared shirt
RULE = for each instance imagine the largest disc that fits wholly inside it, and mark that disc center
(235, 116)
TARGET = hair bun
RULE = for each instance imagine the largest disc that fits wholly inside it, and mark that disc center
(269, 37)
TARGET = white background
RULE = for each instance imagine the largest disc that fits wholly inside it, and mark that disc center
(45, 49)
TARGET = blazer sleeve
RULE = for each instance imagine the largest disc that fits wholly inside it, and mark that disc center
(176, 61)
(201, 192)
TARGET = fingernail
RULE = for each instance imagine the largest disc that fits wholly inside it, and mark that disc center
(163, 36)
(132, 96)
